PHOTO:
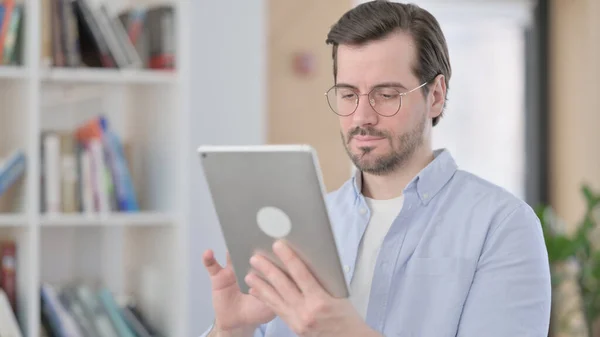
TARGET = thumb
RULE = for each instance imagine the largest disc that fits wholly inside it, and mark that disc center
(211, 264)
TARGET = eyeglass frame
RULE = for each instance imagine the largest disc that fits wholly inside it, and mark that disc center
(401, 94)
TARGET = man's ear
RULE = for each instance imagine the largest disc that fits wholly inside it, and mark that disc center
(437, 95)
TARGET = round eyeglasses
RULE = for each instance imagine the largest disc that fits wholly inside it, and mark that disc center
(385, 100)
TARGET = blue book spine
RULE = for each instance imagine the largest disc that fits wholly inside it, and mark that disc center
(125, 191)
(12, 170)
(51, 307)
(2, 12)
(112, 308)
(2, 15)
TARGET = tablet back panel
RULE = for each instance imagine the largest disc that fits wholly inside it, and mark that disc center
(256, 190)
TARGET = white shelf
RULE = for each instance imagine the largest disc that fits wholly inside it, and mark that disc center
(141, 254)
(142, 219)
(13, 220)
(13, 72)
(108, 76)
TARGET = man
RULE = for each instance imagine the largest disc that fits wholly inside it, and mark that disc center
(428, 249)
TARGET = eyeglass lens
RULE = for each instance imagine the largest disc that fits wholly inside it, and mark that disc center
(344, 101)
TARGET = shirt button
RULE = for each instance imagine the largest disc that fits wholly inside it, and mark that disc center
(426, 195)
(363, 210)
(347, 269)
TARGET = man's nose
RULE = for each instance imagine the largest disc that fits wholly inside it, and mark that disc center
(365, 114)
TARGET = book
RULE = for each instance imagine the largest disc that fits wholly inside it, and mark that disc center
(84, 33)
(11, 169)
(9, 326)
(78, 309)
(86, 170)
(8, 274)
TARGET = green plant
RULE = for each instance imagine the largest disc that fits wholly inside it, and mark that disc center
(579, 247)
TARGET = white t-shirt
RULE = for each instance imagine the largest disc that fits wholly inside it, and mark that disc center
(383, 213)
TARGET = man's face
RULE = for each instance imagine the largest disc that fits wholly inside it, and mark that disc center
(378, 144)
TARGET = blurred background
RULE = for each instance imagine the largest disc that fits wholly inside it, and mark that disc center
(104, 212)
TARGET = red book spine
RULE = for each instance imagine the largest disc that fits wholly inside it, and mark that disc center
(8, 9)
(8, 272)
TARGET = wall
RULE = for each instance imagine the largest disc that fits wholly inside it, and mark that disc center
(485, 118)
(298, 110)
(574, 88)
(481, 127)
(574, 119)
(228, 106)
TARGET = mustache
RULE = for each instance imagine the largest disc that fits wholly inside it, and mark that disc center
(368, 131)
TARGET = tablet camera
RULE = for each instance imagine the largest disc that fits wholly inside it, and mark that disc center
(274, 222)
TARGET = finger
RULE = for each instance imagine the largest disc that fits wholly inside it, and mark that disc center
(265, 292)
(297, 268)
(229, 263)
(281, 283)
(211, 264)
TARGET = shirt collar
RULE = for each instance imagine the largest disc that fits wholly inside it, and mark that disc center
(428, 182)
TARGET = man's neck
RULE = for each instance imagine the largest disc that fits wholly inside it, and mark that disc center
(389, 186)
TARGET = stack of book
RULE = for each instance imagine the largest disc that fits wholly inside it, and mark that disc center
(85, 170)
(84, 33)
(78, 310)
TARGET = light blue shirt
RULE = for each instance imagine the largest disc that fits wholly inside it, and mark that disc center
(463, 258)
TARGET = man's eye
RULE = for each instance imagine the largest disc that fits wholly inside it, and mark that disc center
(345, 94)
(389, 94)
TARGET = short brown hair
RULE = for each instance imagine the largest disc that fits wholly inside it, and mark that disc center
(376, 19)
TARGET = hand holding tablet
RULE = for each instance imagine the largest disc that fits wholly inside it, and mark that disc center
(269, 192)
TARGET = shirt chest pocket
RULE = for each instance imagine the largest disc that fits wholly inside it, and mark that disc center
(448, 278)
(431, 295)
(439, 266)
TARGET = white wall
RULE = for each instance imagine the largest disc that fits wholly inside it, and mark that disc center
(484, 122)
(487, 89)
(228, 90)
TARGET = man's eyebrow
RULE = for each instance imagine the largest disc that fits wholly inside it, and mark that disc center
(391, 84)
(345, 85)
(379, 85)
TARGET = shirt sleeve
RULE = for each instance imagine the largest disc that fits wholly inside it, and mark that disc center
(511, 290)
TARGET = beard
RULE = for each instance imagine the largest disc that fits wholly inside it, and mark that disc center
(402, 149)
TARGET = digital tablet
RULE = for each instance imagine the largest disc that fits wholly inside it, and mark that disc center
(263, 193)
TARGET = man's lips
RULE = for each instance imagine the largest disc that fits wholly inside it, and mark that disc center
(367, 138)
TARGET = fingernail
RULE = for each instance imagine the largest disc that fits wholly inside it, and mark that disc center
(278, 246)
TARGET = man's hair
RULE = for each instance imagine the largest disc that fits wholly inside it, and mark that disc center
(377, 19)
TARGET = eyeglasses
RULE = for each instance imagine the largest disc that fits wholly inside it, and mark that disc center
(386, 101)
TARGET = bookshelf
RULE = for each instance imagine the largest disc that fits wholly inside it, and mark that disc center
(108, 76)
(143, 219)
(10, 72)
(141, 254)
